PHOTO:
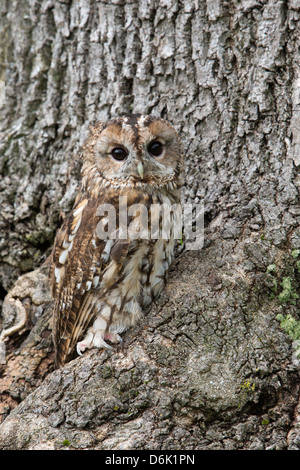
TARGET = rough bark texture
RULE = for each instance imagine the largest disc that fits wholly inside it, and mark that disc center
(211, 366)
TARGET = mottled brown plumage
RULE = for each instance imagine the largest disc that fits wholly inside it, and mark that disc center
(101, 284)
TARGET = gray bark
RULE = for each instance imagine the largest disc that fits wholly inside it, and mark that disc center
(211, 365)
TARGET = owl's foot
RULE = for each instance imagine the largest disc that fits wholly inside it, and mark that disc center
(114, 338)
(99, 333)
(97, 340)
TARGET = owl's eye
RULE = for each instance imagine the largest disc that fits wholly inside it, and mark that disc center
(156, 148)
(119, 153)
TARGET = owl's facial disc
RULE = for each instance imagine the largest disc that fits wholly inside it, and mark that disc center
(137, 150)
(120, 154)
(143, 162)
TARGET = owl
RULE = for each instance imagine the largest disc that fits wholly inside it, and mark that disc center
(109, 263)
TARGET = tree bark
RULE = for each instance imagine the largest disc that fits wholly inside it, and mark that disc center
(213, 365)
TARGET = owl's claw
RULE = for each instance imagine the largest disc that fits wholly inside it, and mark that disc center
(80, 348)
(121, 341)
(114, 338)
(97, 339)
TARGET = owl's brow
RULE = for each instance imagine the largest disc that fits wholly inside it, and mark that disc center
(130, 120)
(133, 120)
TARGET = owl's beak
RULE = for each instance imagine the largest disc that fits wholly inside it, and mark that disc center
(140, 169)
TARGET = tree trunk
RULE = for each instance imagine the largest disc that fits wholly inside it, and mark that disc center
(214, 364)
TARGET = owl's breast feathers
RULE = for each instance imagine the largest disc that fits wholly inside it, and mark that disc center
(85, 267)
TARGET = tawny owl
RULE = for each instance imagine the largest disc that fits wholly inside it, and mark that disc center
(102, 278)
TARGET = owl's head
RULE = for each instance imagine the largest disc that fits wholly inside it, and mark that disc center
(134, 150)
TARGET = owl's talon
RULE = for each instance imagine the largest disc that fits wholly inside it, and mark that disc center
(121, 341)
(81, 347)
(114, 338)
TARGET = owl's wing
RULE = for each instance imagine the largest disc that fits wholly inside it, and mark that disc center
(78, 259)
